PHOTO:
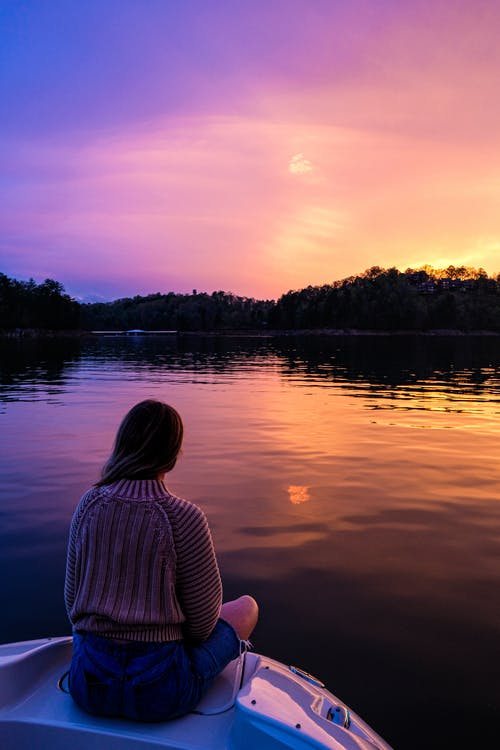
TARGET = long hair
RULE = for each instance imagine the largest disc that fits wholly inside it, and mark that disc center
(147, 443)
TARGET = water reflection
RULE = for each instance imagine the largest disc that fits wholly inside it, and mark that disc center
(408, 372)
(351, 485)
(36, 369)
(299, 494)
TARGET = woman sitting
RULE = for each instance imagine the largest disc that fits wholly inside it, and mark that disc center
(143, 590)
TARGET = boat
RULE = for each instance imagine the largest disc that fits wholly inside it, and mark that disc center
(256, 703)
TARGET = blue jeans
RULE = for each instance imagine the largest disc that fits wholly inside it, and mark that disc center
(147, 681)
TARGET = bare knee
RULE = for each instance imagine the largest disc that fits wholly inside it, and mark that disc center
(242, 614)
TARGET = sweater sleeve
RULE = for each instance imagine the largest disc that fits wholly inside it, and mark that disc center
(70, 582)
(198, 583)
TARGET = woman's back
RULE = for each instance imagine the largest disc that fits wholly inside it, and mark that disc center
(141, 563)
(143, 589)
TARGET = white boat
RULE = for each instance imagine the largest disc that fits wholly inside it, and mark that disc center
(255, 704)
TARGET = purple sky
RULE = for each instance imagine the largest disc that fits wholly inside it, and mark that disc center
(246, 146)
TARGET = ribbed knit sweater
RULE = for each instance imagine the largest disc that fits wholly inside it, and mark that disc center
(141, 565)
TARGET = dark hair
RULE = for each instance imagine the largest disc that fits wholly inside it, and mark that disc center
(147, 443)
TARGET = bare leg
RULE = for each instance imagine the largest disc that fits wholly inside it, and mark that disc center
(242, 614)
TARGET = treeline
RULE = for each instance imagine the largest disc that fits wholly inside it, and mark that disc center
(179, 312)
(46, 306)
(379, 299)
(387, 299)
(460, 298)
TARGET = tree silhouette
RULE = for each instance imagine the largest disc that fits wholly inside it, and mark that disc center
(378, 299)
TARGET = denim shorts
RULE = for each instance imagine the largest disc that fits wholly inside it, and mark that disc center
(147, 681)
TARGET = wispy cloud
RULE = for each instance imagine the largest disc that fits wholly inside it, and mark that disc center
(298, 164)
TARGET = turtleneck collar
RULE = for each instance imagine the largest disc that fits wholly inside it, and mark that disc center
(137, 489)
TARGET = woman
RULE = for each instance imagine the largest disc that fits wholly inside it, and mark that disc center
(143, 590)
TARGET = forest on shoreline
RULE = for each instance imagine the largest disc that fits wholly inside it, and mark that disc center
(456, 298)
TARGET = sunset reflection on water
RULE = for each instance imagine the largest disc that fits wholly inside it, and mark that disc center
(354, 481)
(298, 494)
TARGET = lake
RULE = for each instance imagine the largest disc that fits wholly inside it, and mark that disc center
(351, 484)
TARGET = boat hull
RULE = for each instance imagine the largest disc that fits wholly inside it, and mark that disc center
(258, 703)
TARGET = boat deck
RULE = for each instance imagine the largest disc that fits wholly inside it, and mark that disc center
(34, 698)
(256, 703)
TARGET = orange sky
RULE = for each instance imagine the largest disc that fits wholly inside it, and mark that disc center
(368, 137)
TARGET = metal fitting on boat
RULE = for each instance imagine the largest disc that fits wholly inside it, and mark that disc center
(339, 715)
(306, 676)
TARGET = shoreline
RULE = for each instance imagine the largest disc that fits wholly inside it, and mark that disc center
(340, 332)
(31, 334)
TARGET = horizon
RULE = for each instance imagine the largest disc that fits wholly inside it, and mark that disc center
(254, 149)
(94, 299)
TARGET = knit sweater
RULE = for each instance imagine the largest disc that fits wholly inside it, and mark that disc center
(141, 565)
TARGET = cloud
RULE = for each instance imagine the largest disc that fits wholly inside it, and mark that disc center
(298, 164)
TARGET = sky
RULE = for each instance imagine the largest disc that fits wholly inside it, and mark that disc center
(249, 146)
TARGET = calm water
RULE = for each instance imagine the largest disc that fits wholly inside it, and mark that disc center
(352, 485)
